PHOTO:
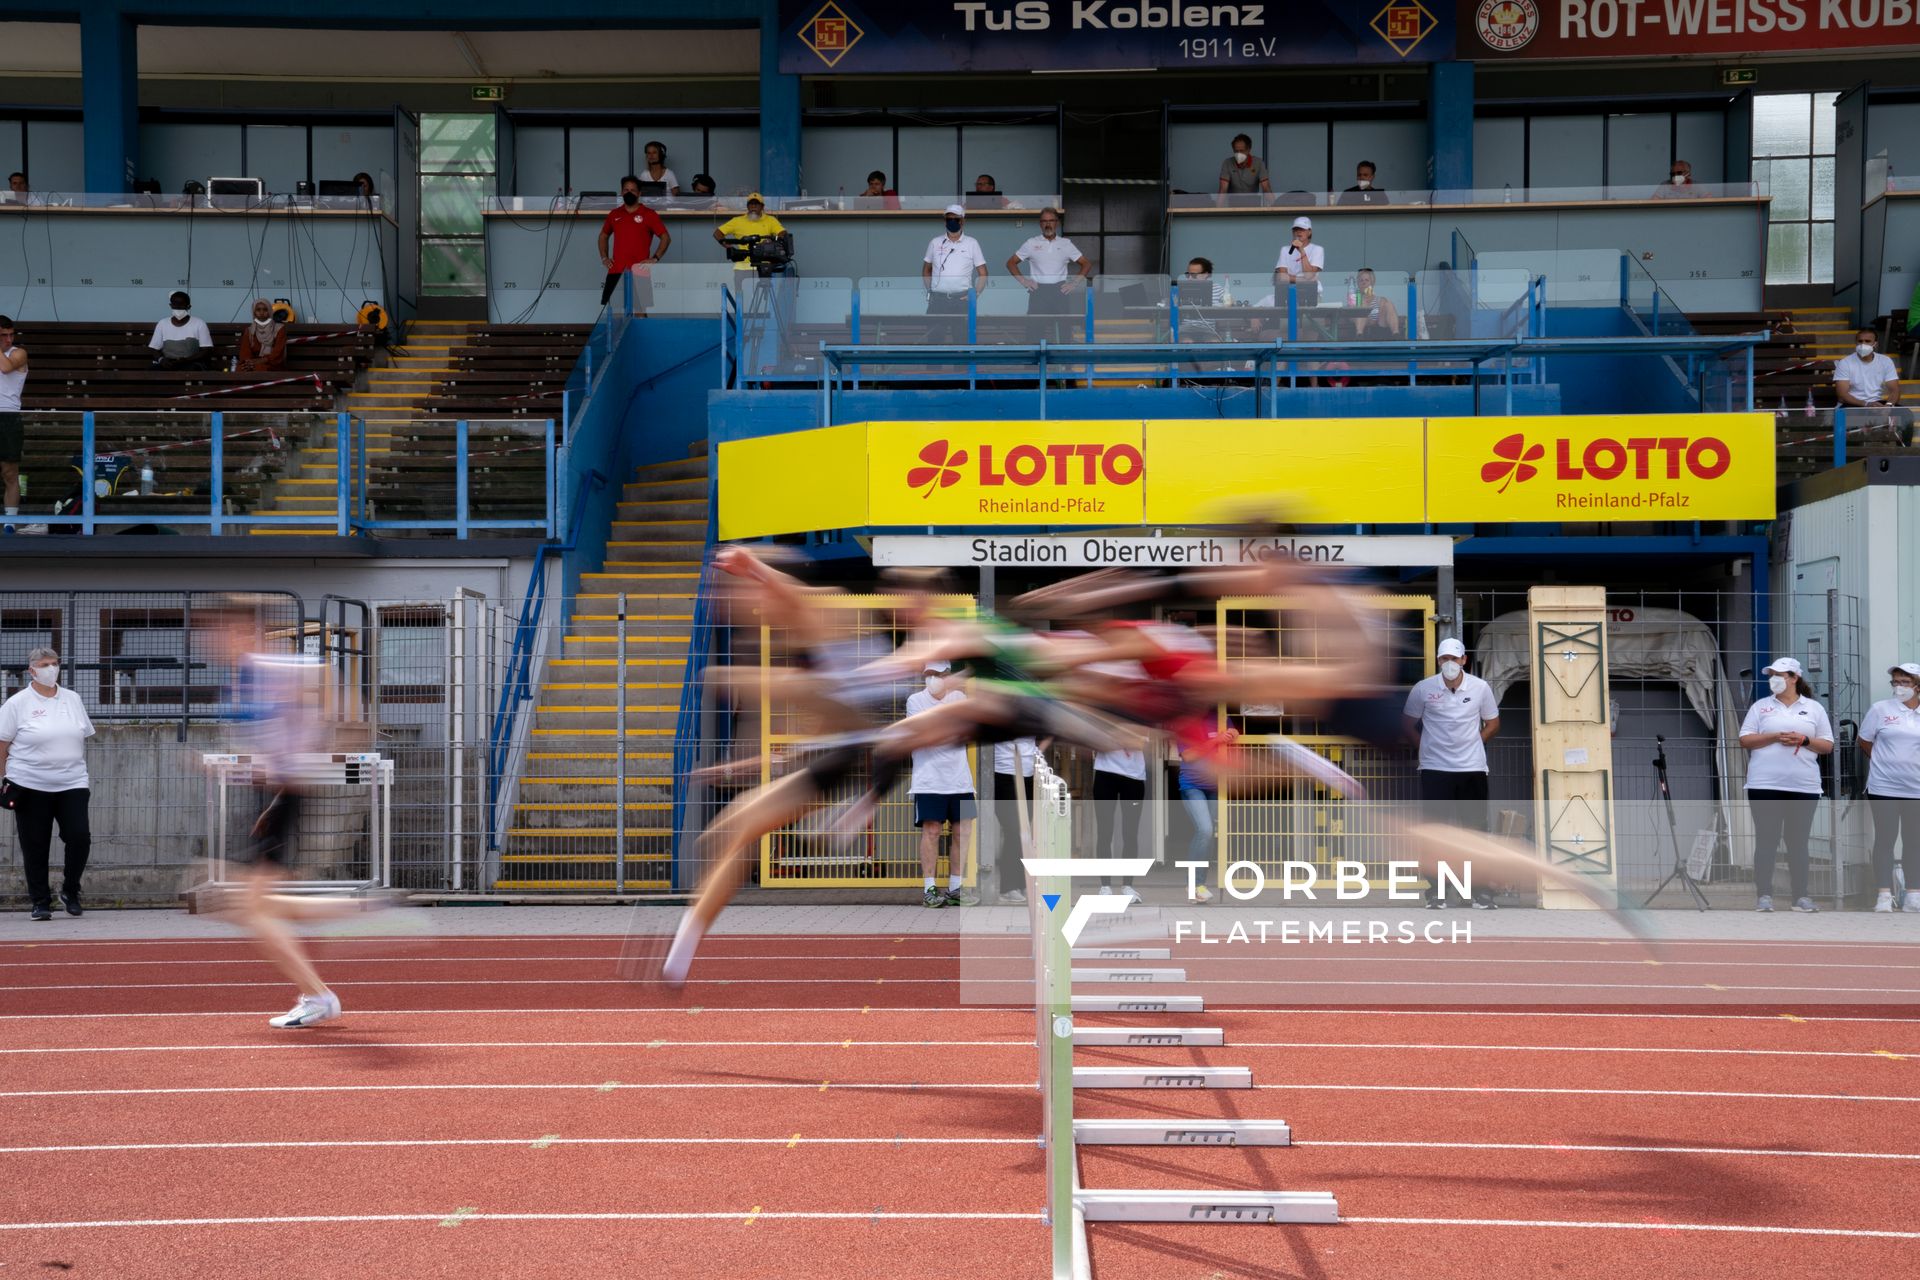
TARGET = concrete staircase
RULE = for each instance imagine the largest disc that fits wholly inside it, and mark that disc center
(393, 398)
(563, 832)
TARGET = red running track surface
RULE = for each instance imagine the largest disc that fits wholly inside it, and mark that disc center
(823, 1107)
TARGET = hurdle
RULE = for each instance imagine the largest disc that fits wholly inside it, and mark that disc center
(1070, 1206)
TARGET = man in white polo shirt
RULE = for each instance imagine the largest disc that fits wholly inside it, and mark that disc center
(1453, 713)
(1865, 379)
(954, 267)
(1299, 265)
(942, 791)
(1056, 272)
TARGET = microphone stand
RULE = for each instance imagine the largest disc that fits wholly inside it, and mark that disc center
(1679, 871)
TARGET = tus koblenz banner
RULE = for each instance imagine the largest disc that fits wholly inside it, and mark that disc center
(890, 36)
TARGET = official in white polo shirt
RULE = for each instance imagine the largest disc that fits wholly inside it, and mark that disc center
(954, 267)
(1866, 380)
(1890, 737)
(1012, 788)
(1453, 713)
(43, 733)
(1784, 734)
(1300, 265)
(942, 791)
(1119, 794)
(1056, 272)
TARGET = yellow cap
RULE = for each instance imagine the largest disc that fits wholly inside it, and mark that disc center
(756, 198)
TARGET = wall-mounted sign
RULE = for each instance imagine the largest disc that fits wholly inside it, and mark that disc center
(819, 37)
(1494, 30)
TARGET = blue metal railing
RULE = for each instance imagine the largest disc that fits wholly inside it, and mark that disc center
(687, 735)
(462, 521)
(517, 685)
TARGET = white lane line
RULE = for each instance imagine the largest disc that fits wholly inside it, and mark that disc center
(1524, 1048)
(1018, 1044)
(1239, 1011)
(930, 1085)
(1477, 984)
(1577, 1093)
(1579, 1146)
(675, 1011)
(1025, 1045)
(605, 1086)
(887, 937)
(1727, 1228)
(544, 1141)
(736, 1215)
(1009, 957)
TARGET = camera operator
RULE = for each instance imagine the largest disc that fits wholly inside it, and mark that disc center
(753, 226)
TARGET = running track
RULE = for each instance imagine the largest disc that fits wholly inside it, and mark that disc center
(820, 1107)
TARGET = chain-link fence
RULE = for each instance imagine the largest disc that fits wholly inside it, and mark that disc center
(583, 761)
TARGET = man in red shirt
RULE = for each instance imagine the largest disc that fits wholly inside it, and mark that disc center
(632, 229)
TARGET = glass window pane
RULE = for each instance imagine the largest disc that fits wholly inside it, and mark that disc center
(454, 268)
(1821, 260)
(1788, 182)
(1786, 254)
(456, 144)
(450, 205)
(1782, 124)
(1823, 123)
(1823, 187)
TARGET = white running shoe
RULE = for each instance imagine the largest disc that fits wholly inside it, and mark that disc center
(1013, 898)
(686, 940)
(311, 1009)
(1202, 894)
(1912, 901)
(1884, 902)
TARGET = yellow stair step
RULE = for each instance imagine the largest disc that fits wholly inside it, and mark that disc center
(588, 732)
(591, 806)
(597, 755)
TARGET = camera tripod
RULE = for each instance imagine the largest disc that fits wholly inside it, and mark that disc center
(1679, 871)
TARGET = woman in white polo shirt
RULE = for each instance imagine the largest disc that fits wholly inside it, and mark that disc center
(43, 733)
(1785, 734)
(1890, 735)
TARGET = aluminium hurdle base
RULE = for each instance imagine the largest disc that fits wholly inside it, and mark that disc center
(367, 769)
(1172, 1206)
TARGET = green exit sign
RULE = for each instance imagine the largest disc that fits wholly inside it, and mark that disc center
(494, 93)
(1740, 75)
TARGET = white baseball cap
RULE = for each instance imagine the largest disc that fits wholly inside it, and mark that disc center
(1452, 648)
(956, 211)
(1909, 668)
(1785, 667)
(939, 664)
(1303, 221)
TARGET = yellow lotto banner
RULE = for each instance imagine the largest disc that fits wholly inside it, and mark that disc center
(1005, 473)
(1691, 466)
(1219, 471)
(793, 483)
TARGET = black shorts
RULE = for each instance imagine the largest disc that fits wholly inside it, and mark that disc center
(274, 845)
(942, 807)
(13, 435)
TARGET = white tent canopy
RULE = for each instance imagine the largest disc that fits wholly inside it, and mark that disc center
(1656, 644)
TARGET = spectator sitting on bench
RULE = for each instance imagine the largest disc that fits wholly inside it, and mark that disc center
(181, 341)
(1867, 380)
(263, 344)
(17, 187)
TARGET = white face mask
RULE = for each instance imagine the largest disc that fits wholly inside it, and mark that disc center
(1903, 693)
(1240, 157)
(1364, 183)
(1864, 351)
(1450, 670)
(181, 315)
(933, 685)
(1778, 684)
(1679, 179)
(48, 675)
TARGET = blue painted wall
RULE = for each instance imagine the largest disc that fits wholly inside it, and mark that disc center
(1637, 384)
